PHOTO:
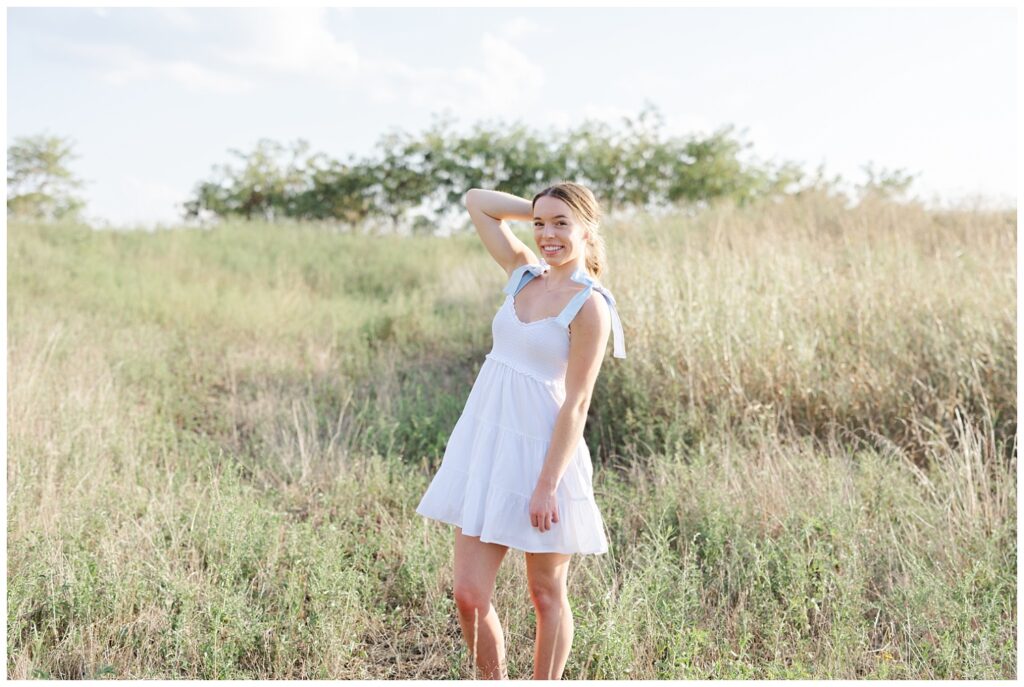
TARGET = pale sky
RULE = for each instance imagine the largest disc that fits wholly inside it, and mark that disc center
(154, 97)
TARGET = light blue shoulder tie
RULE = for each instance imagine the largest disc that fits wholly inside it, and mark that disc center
(516, 282)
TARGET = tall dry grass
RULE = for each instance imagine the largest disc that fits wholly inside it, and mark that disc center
(806, 465)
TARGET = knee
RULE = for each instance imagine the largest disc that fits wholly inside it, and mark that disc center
(548, 597)
(470, 598)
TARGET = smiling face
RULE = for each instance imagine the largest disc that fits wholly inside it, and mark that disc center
(555, 225)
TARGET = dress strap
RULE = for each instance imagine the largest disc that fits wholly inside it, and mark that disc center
(574, 305)
(521, 276)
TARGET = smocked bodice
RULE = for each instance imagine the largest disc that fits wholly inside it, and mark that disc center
(540, 349)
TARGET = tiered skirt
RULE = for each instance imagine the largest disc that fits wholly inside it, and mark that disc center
(492, 462)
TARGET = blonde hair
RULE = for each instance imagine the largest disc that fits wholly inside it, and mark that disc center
(588, 211)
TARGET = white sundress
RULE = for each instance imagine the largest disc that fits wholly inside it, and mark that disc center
(496, 451)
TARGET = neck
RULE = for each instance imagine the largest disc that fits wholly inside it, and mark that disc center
(563, 273)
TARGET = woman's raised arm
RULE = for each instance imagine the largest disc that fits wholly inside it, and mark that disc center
(489, 210)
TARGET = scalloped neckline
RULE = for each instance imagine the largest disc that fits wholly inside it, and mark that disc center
(512, 297)
(515, 315)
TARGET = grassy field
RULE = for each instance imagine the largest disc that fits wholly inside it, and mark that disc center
(806, 464)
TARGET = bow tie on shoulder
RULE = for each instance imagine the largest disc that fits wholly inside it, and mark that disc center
(579, 276)
(517, 276)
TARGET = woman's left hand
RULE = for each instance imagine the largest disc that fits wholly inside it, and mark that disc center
(543, 508)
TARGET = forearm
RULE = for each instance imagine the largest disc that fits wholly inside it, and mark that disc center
(566, 437)
(499, 205)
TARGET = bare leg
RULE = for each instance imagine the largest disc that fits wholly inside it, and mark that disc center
(476, 569)
(547, 574)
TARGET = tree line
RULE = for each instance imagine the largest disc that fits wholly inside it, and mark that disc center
(631, 165)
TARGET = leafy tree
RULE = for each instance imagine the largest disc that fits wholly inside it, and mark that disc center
(595, 155)
(270, 179)
(648, 163)
(337, 191)
(710, 168)
(402, 181)
(631, 165)
(39, 183)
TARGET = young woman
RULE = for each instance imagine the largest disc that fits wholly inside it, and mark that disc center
(516, 471)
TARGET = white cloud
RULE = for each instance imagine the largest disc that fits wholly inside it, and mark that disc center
(124, 64)
(299, 41)
(521, 26)
(238, 50)
(178, 18)
(194, 77)
(502, 80)
(507, 78)
(291, 40)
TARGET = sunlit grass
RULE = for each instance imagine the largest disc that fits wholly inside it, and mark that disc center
(806, 463)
